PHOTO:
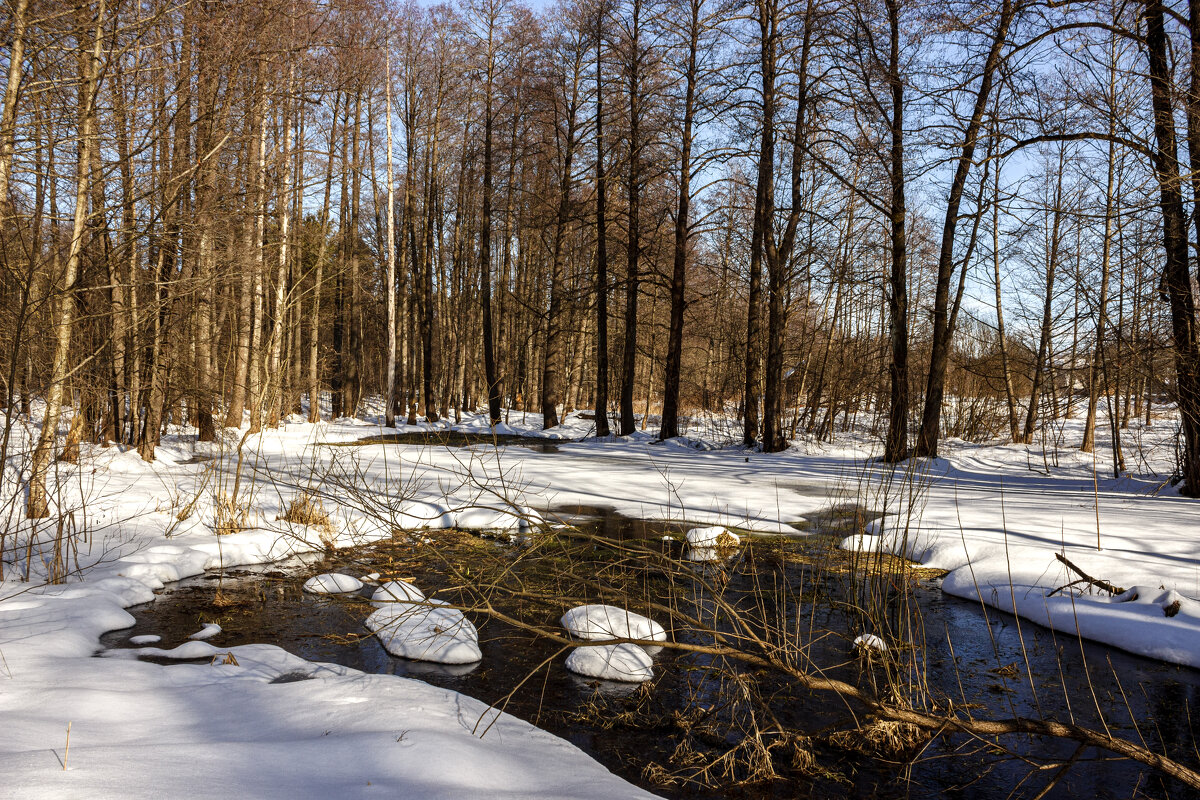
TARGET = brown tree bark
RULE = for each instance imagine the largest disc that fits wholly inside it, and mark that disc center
(942, 333)
(38, 504)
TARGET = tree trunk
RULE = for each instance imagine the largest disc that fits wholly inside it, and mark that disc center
(601, 392)
(38, 505)
(670, 410)
(1175, 278)
(896, 444)
(939, 357)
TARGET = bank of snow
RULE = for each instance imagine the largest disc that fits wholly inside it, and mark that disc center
(249, 721)
(996, 526)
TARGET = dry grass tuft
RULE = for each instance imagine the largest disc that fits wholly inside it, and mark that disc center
(306, 509)
(229, 516)
(185, 512)
(884, 738)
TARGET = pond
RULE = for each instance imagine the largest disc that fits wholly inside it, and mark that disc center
(698, 710)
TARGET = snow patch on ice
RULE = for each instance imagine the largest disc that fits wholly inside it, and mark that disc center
(332, 583)
(712, 536)
(612, 662)
(598, 622)
(426, 633)
(393, 592)
(209, 630)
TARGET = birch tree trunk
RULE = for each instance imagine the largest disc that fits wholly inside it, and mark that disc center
(38, 505)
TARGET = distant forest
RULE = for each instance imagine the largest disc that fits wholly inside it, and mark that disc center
(937, 218)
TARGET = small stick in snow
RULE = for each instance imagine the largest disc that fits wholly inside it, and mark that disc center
(67, 749)
(1099, 583)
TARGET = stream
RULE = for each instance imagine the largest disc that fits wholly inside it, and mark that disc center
(986, 661)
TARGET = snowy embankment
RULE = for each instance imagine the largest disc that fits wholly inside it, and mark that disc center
(260, 722)
(248, 721)
(997, 520)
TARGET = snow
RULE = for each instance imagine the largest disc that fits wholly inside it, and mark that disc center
(612, 662)
(993, 516)
(429, 632)
(146, 638)
(392, 592)
(209, 630)
(597, 622)
(711, 537)
(702, 555)
(493, 518)
(332, 583)
(869, 641)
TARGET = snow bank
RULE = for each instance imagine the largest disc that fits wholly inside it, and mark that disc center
(1136, 621)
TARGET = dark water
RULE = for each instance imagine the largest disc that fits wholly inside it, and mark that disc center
(979, 659)
(448, 438)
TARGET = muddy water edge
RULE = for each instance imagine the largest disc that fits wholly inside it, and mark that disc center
(707, 727)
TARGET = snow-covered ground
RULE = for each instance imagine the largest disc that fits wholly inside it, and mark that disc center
(992, 515)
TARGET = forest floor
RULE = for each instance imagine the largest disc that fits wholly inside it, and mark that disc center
(241, 721)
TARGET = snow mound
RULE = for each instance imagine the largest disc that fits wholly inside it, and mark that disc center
(487, 518)
(921, 546)
(701, 554)
(332, 583)
(597, 622)
(712, 536)
(869, 641)
(612, 662)
(209, 630)
(394, 592)
(426, 633)
(146, 638)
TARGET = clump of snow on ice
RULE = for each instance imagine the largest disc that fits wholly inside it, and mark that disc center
(862, 543)
(597, 622)
(865, 642)
(184, 652)
(712, 536)
(396, 592)
(488, 518)
(209, 630)
(146, 638)
(612, 662)
(431, 632)
(332, 583)
(702, 554)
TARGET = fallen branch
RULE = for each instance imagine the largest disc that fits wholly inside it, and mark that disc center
(1099, 583)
